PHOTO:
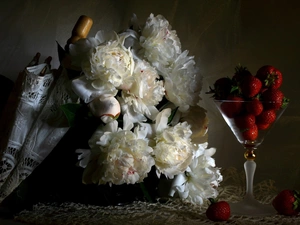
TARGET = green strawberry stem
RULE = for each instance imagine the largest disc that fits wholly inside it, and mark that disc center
(285, 102)
(212, 200)
(297, 200)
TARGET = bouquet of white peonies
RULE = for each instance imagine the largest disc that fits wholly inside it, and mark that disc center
(145, 90)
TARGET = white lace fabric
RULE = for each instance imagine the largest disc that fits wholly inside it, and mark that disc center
(173, 212)
(38, 125)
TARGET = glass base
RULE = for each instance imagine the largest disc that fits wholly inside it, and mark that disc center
(251, 207)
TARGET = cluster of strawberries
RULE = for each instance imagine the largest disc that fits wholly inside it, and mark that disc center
(252, 100)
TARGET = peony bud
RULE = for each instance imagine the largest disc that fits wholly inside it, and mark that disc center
(105, 108)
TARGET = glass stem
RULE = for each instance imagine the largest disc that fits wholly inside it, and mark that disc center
(249, 167)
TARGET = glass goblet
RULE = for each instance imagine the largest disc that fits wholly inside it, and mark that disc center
(250, 131)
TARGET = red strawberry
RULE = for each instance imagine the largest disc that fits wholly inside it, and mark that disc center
(254, 107)
(232, 107)
(240, 73)
(270, 77)
(218, 211)
(222, 88)
(287, 202)
(250, 86)
(245, 121)
(266, 117)
(250, 133)
(262, 126)
(273, 98)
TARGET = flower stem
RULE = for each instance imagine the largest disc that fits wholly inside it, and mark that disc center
(145, 192)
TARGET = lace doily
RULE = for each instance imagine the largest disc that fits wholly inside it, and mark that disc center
(173, 211)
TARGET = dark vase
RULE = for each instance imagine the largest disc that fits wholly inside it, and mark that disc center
(58, 179)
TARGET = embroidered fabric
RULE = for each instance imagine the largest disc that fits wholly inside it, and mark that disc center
(38, 126)
(173, 211)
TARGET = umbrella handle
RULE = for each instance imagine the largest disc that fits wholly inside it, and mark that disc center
(80, 30)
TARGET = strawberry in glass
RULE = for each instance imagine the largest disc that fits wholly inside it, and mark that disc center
(254, 107)
(250, 86)
(233, 106)
(270, 77)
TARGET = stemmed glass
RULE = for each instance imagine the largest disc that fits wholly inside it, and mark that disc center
(249, 205)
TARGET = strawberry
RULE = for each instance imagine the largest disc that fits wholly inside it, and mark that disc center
(269, 76)
(287, 202)
(273, 99)
(245, 121)
(251, 133)
(250, 86)
(222, 88)
(254, 107)
(266, 117)
(262, 126)
(232, 107)
(240, 73)
(218, 211)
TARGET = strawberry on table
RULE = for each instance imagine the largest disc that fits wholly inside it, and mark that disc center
(218, 210)
(287, 202)
(269, 76)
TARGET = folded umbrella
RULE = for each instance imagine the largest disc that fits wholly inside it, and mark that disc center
(38, 123)
(25, 103)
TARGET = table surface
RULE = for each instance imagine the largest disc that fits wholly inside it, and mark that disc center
(169, 212)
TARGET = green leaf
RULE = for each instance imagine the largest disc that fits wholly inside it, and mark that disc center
(70, 110)
(172, 115)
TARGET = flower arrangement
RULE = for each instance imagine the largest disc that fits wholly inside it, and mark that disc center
(146, 92)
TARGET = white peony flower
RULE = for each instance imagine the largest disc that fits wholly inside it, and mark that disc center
(200, 180)
(105, 61)
(146, 91)
(80, 50)
(160, 43)
(173, 150)
(196, 117)
(118, 156)
(182, 82)
(111, 63)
